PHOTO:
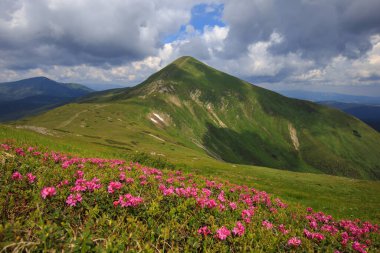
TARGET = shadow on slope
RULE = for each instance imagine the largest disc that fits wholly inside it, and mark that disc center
(249, 148)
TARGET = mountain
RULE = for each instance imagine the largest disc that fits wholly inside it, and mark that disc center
(101, 87)
(33, 95)
(188, 110)
(369, 114)
(327, 96)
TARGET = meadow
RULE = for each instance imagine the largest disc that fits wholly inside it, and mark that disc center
(52, 200)
(341, 197)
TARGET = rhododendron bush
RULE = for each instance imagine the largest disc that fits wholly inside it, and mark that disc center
(54, 201)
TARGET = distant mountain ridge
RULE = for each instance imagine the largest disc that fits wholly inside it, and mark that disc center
(102, 87)
(329, 96)
(365, 108)
(369, 114)
(189, 108)
(33, 95)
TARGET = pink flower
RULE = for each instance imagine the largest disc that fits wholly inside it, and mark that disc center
(329, 228)
(221, 197)
(93, 184)
(273, 210)
(294, 242)
(114, 186)
(129, 180)
(80, 185)
(20, 152)
(211, 203)
(309, 210)
(204, 231)
(73, 199)
(233, 205)
(206, 192)
(345, 238)
(128, 200)
(17, 176)
(246, 215)
(238, 229)
(66, 164)
(48, 192)
(79, 174)
(170, 180)
(308, 234)
(62, 183)
(282, 229)
(359, 247)
(280, 204)
(266, 224)
(313, 224)
(222, 233)
(122, 176)
(318, 236)
(210, 184)
(167, 191)
(31, 178)
(5, 147)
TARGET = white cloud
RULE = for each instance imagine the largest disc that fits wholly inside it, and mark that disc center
(344, 71)
(120, 41)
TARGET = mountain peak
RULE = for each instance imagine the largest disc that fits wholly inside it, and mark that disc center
(38, 78)
(184, 59)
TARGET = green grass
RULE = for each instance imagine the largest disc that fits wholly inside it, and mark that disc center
(167, 211)
(339, 196)
(210, 112)
(211, 117)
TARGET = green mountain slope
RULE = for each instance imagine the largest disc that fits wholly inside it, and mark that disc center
(34, 95)
(188, 109)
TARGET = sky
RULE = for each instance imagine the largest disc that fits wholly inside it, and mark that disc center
(316, 45)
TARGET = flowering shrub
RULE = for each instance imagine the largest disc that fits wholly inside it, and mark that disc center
(294, 242)
(57, 201)
(73, 199)
(48, 192)
(222, 233)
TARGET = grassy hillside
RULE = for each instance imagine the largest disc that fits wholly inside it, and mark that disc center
(188, 110)
(55, 201)
(339, 196)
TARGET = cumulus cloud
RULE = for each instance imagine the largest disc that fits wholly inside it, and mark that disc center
(308, 42)
(318, 30)
(92, 32)
(342, 70)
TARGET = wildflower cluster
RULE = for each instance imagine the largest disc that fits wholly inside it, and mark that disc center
(148, 205)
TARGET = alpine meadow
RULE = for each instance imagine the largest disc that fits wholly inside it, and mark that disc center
(195, 153)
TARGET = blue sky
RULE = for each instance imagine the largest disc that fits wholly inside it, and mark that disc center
(202, 15)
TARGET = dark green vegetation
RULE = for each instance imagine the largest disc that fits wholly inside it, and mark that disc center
(35, 95)
(189, 109)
